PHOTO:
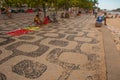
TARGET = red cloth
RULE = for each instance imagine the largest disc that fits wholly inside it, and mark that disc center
(18, 32)
(29, 10)
(46, 20)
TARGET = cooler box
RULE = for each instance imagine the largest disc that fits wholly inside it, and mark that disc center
(98, 24)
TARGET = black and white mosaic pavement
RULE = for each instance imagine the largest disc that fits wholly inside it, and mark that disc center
(41, 49)
(68, 50)
(2, 77)
(0, 52)
(29, 69)
(6, 40)
(59, 43)
(26, 37)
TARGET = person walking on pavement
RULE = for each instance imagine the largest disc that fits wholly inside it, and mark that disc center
(105, 17)
(96, 12)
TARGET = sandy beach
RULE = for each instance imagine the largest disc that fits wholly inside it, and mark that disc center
(114, 26)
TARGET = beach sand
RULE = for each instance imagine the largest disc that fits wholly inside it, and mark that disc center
(114, 26)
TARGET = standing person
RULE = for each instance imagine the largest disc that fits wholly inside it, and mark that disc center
(105, 17)
(8, 12)
(96, 12)
(116, 15)
(70, 11)
(39, 12)
(90, 12)
(0, 11)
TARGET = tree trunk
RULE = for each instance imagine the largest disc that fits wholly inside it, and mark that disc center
(56, 7)
(44, 10)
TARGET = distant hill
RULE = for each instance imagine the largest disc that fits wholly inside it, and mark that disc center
(117, 10)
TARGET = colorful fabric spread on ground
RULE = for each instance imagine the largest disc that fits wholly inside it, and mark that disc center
(19, 32)
(23, 31)
(32, 28)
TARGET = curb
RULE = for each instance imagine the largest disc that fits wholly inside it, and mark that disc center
(112, 57)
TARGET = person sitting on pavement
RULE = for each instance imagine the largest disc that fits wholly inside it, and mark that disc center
(79, 13)
(3, 10)
(46, 20)
(62, 15)
(37, 20)
(67, 15)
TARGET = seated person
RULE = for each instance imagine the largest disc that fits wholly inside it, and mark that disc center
(49, 19)
(3, 10)
(37, 20)
(67, 15)
(62, 15)
(46, 20)
(79, 13)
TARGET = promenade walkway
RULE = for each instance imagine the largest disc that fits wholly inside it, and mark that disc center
(69, 50)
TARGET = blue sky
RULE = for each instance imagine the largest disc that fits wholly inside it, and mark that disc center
(109, 4)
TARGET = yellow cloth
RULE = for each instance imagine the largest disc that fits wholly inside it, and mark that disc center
(32, 28)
